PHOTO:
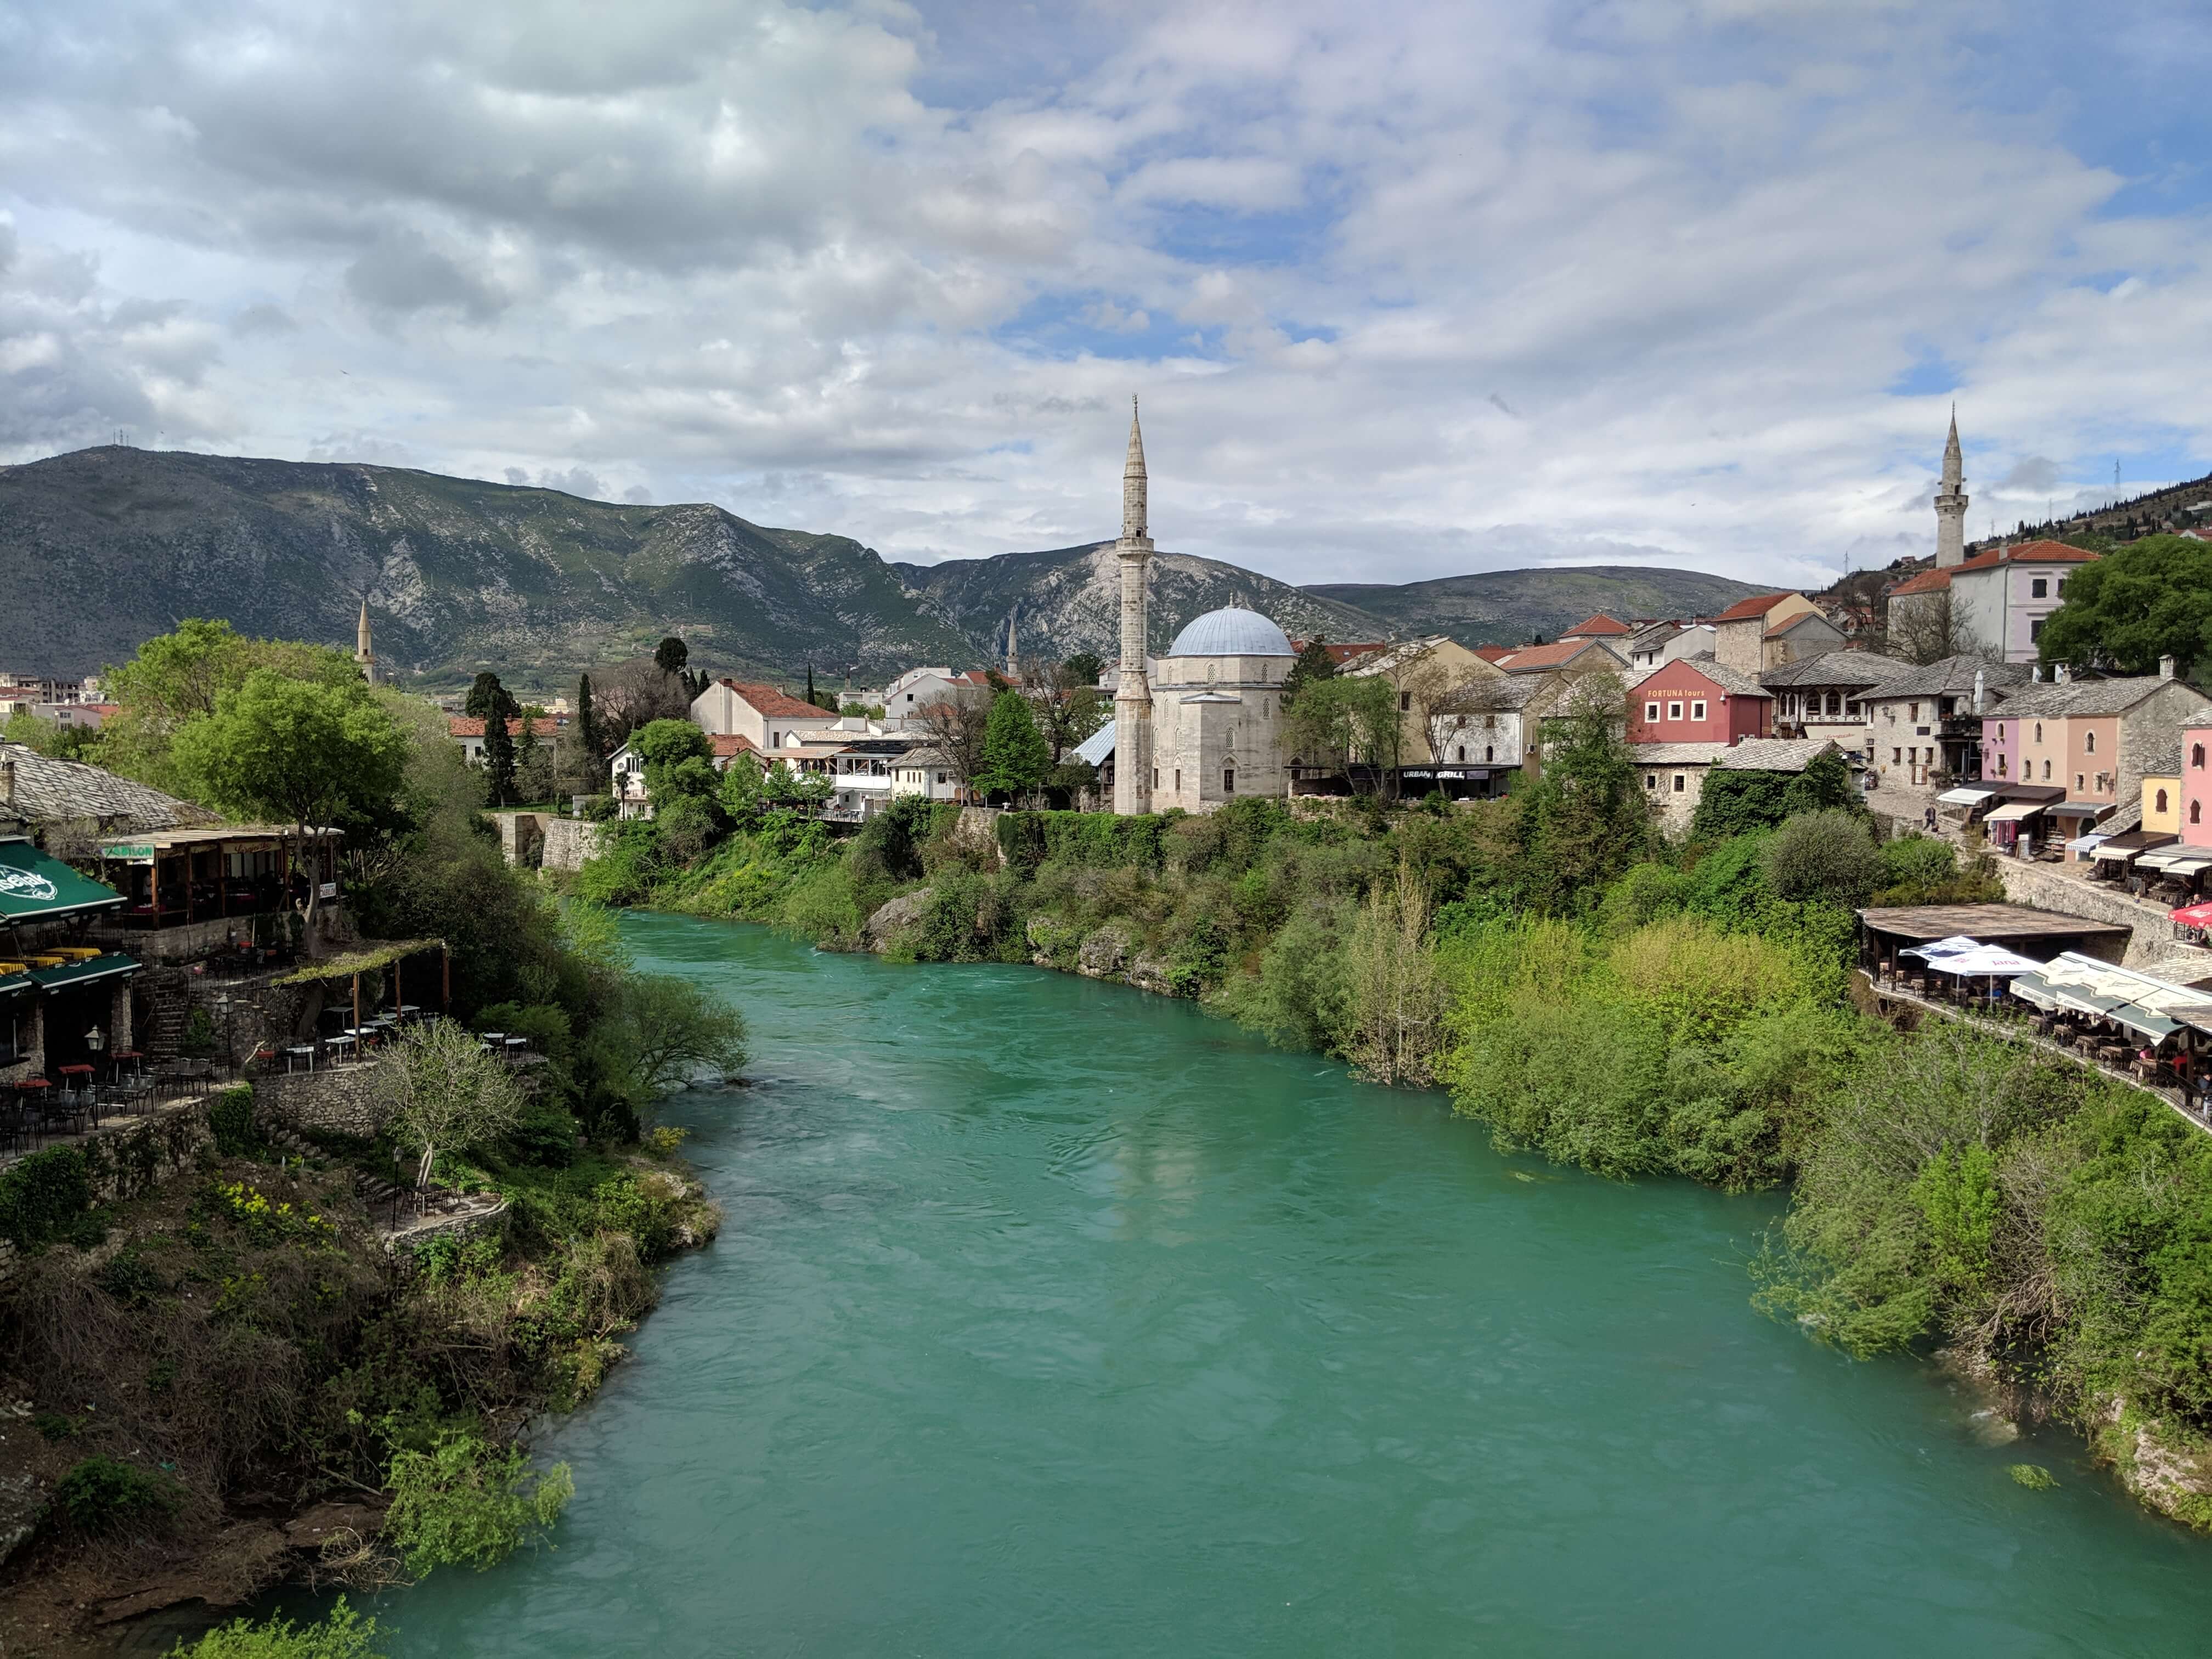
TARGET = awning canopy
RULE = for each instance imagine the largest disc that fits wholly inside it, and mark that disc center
(2190, 865)
(2012, 811)
(2165, 858)
(2135, 840)
(1992, 960)
(2193, 916)
(14, 985)
(2078, 809)
(1954, 945)
(1966, 797)
(2144, 1023)
(33, 887)
(82, 973)
(2085, 843)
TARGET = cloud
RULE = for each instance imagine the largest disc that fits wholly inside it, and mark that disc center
(895, 274)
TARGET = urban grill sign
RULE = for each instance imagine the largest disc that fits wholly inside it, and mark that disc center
(25, 884)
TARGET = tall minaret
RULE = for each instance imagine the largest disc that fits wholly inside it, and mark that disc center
(1951, 504)
(1132, 699)
(364, 648)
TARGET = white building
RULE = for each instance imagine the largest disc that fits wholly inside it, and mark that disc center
(1218, 712)
(771, 720)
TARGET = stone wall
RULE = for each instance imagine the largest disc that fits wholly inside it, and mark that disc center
(336, 1100)
(522, 836)
(568, 842)
(2151, 942)
(486, 1216)
(131, 1157)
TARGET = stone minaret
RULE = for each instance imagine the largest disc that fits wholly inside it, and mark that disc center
(364, 648)
(1132, 700)
(1951, 505)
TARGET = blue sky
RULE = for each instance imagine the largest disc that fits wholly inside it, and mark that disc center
(1408, 290)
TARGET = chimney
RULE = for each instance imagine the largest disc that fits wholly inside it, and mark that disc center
(6, 783)
(2058, 674)
(2165, 668)
(1981, 685)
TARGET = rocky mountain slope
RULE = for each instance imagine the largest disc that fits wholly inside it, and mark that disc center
(1509, 607)
(103, 548)
(1067, 599)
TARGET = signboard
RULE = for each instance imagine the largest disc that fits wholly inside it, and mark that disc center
(128, 849)
(329, 890)
(26, 885)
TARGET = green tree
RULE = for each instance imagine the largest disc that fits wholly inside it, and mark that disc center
(2150, 599)
(297, 750)
(1016, 756)
(1585, 820)
(679, 761)
(180, 678)
(443, 1092)
(499, 760)
(1083, 669)
(1314, 665)
(486, 697)
(72, 742)
(588, 726)
(670, 654)
(340, 1634)
(1344, 720)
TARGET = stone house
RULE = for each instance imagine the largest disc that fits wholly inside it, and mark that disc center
(1929, 726)
(768, 717)
(1768, 630)
(1827, 695)
(1424, 673)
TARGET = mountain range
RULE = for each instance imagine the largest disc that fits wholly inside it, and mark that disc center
(102, 549)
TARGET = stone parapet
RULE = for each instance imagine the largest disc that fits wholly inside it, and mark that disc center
(2152, 941)
(568, 841)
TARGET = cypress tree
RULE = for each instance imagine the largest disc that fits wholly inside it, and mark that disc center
(587, 728)
(499, 760)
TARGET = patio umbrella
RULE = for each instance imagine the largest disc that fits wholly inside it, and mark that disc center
(2193, 916)
(1938, 949)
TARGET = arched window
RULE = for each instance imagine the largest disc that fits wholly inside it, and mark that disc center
(2089, 743)
(2196, 755)
(2046, 771)
(1488, 752)
(2161, 801)
(1463, 752)
(2197, 811)
(2039, 731)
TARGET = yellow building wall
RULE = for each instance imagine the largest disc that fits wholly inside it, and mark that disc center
(2167, 822)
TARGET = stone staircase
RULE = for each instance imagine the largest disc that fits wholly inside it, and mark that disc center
(169, 990)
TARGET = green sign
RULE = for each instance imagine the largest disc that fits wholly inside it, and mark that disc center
(126, 849)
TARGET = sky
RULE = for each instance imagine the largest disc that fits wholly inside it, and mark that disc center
(1407, 289)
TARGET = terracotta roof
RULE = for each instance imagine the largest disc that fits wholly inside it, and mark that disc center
(1534, 658)
(1341, 654)
(728, 746)
(1593, 627)
(1493, 652)
(1748, 610)
(2042, 552)
(1714, 674)
(1927, 581)
(769, 701)
(464, 726)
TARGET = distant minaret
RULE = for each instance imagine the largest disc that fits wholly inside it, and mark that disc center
(364, 648)
(1010, 658)
(1951, 504)
(1132, 700)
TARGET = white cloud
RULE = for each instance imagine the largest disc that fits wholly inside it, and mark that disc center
(1448, 285)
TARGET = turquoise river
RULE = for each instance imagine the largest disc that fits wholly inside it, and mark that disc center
(1052, 1318)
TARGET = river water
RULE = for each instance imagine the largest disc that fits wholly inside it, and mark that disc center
(1050, 1318)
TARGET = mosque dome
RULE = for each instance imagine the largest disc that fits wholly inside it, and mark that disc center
(1235, 632)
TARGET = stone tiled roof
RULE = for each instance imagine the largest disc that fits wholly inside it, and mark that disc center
(2084, 696)
(1493, 694)
(1774, 754)
(50, 791)
(2163, 759)
(1676, 754)
(1736, 684)
(1954, 676)
(1838, 668)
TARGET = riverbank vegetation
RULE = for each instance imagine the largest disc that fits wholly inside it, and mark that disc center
(1596, 993)
(244, 1345)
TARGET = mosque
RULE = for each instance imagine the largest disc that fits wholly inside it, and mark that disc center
(1204, 722)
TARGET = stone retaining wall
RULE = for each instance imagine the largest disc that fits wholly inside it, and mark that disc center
(467, 1224)
(568, 842)
(2152, 939)
(336, 1100)
(127, 1158)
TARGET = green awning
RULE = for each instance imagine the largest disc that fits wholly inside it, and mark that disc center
(33, 887)
(77, 973)
(14, 984)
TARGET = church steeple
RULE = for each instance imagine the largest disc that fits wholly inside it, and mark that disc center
(1132, 480)
(364, 648)
(1951, 502)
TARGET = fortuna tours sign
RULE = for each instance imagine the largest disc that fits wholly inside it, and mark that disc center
(25, 885)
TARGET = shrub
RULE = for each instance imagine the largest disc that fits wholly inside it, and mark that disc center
(467, 1503)
(230, 1118)
(198, 1042)
(101, 1494)
(340, 1634)
(1825, 855)
(44, 1197)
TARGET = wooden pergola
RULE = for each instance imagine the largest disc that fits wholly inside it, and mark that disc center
(375, 956)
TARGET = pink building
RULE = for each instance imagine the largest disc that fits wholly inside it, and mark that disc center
(1699, 700)
(2000, 748)
(2197, 781)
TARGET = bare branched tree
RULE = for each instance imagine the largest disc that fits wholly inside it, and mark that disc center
(442, 1089)
(956, 730)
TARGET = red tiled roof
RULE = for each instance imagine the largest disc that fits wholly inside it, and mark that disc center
(1492, 652)
(1531, 658)
(1747, 610)
(1593, 627)
(1927, 581)
(728, 746)
(1341, 654)
(464, 726)
(769, 701)
(2044, 552)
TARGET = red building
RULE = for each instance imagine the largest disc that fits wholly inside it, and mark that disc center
(1698, 701)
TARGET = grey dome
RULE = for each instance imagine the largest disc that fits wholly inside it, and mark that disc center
(1234, 632)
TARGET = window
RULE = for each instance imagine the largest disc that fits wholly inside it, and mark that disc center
(2039, 733)
(2077, 783)
(1462, 752)
(1489, 751)
(1697, 711)
(2161, 806)
(1405, 703)
(1651, 779)
(2046, 771)
(2089, 743)
(1680, 785)
(1896, 756)
(1651, 711)
(1916, 713)
(1178, 780)
(2035, 630)
(1674, 711)
(1227, 780)
(2001, 765)
(2197, 811)
(1156, 777)
(2039, 589)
